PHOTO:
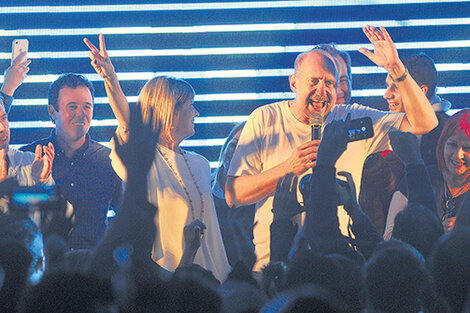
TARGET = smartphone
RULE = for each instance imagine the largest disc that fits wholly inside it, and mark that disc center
(360, 128)
(19, 46)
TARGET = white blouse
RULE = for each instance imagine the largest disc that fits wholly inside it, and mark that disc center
(166, 192)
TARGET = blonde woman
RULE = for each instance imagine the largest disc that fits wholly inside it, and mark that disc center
(179, 180)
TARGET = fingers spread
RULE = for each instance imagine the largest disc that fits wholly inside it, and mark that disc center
(38, 152)
(102, 44)
(91, 46)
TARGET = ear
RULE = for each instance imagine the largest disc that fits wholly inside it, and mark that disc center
(293, 82)
(424, 88)
(52, 112)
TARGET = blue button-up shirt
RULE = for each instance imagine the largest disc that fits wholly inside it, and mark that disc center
(89, 183)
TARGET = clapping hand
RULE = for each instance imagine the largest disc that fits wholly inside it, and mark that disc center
(42, 164)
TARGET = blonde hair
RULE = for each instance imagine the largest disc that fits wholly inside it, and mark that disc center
(161, 100)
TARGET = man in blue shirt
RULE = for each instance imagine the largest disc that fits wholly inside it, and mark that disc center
(81, 167)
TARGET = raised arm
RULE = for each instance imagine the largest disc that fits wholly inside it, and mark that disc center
(103, 66)
(419, 115)
(13, 77)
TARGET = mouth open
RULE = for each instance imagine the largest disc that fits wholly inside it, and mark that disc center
(318, 103)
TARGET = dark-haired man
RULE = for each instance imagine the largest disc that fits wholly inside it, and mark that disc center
(81, 165)
(422, 68)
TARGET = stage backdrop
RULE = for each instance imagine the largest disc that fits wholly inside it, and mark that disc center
(236, 54)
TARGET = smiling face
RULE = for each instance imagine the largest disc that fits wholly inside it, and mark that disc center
(4, 129)
(344, 87)
(183, 126)
(75, 113)
(457, 155)
(314, 84)
(393, 97)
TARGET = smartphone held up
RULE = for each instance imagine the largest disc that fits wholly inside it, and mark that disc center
(19, 46)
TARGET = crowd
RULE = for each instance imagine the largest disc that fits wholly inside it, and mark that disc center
(287, 223)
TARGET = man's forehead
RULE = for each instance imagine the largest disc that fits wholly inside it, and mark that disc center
(80, 94)
(318, 62)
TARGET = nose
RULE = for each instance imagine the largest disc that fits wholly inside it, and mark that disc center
(388, 94)
(196, 112)
(79, 112)
(460, 153)
(321, 89)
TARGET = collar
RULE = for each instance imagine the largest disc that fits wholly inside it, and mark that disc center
(59, 150)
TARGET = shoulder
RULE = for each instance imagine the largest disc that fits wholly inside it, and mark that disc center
(268, 111)
(195, 157)
(32, 146)
(97, 148)
(197, 161)
(18, 157)
(354, 109)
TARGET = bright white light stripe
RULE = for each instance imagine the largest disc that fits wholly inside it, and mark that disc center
(229, 28)
(206, 6)
(452, 111)
(236, 50)
(203, 142)
(214, 164)
(453, 90)
(440, 90)
(129, 76)
(113, 122)
(220, 119)
(252, 96)
(241, 73)
(184, 75)
(244, 96)
(212, 142)
(207, 97)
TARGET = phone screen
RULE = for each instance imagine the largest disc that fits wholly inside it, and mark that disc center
(360, 128)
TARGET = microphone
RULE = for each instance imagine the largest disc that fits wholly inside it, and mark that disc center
(316, 122)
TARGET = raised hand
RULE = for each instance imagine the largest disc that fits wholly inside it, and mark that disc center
(138, 153)
(42, 164)
(406, 147)
(334, 141)
(285, 204)
(385, 53)
(192, 237)
(15, 74)
(100, 59)
(347, 192)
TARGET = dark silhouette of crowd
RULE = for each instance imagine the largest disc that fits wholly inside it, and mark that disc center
(420, 269)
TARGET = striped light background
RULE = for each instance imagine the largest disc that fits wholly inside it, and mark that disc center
(236, 54)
